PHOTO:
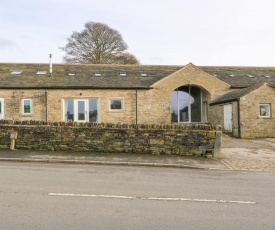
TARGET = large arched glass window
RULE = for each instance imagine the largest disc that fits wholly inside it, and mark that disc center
(186, 104)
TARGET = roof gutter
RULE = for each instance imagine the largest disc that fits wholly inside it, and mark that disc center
(225, 101)
(238, 87)
(72, 87)
(46, 104)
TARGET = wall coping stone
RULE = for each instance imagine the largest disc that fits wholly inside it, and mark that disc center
(189, 126)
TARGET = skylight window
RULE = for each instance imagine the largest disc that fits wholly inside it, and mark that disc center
(71, 74)
(16, 72)
(231, 75)
(123, 74)
(41, 72)
(249, 75)
(98, 74)
(143, 74)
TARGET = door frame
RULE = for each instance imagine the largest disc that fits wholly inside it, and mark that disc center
(76, 110)
(228, 118)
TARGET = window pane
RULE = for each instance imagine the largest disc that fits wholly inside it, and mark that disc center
(81, 110)
(184, 115)
(185, 106)
(26, 106)
(93, 110)
(69, 110)
(116, 104)
(265, 110)
(196, 104)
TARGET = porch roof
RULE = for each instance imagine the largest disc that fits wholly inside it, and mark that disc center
(235, 94)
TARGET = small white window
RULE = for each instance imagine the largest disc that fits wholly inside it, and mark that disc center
(16, 72)
(123, 74)
(264, 110)
(1, 108)
(26, 106)
(116, 104)
(41, 72)
(249, 76)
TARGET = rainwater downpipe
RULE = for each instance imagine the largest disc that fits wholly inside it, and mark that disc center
(239, 118)
(189, 102)
(136, 107)
(46, 103)
(46, 91)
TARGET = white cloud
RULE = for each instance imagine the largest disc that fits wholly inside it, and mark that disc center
(7, 44)
(204, 32)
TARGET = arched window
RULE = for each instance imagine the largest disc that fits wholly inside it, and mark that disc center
(186, 103)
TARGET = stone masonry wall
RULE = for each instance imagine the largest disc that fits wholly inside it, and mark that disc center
(252, 125)
(110, 138)
(53, 99)
(154, 105)
(148, 106)
(13, 104)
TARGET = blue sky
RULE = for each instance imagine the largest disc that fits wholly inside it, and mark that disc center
(161, 32)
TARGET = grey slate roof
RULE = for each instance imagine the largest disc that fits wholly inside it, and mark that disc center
(85, 76)
(235, 94)
(240, 79)
(110, 75)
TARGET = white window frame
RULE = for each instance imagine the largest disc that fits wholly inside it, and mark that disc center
(2, 108)
(204, 111)
(23, 103)
(267, 110)
(75, 109)
(116, 99)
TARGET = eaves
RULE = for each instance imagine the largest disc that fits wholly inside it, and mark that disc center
(224, 101)
(72, 87)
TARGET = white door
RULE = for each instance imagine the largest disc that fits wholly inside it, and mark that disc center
(80, 110)
(227, 112)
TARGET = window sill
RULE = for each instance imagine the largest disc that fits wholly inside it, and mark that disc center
(116, 111)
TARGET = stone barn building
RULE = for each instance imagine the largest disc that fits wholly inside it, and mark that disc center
(241, 99)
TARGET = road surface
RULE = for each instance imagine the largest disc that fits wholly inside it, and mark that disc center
(55, 196)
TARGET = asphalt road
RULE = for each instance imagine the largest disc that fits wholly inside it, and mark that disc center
(54, 196)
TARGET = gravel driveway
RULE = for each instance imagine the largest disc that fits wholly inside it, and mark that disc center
(249, 154)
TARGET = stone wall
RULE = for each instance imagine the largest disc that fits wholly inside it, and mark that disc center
(110, 138)
(154, 105)
(13, 104)
(146, 106)
(252, 125)
(48, 104)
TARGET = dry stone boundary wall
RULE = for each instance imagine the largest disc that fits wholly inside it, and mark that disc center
(191, 139)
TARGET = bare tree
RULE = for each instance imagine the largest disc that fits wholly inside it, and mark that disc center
(97, 44)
